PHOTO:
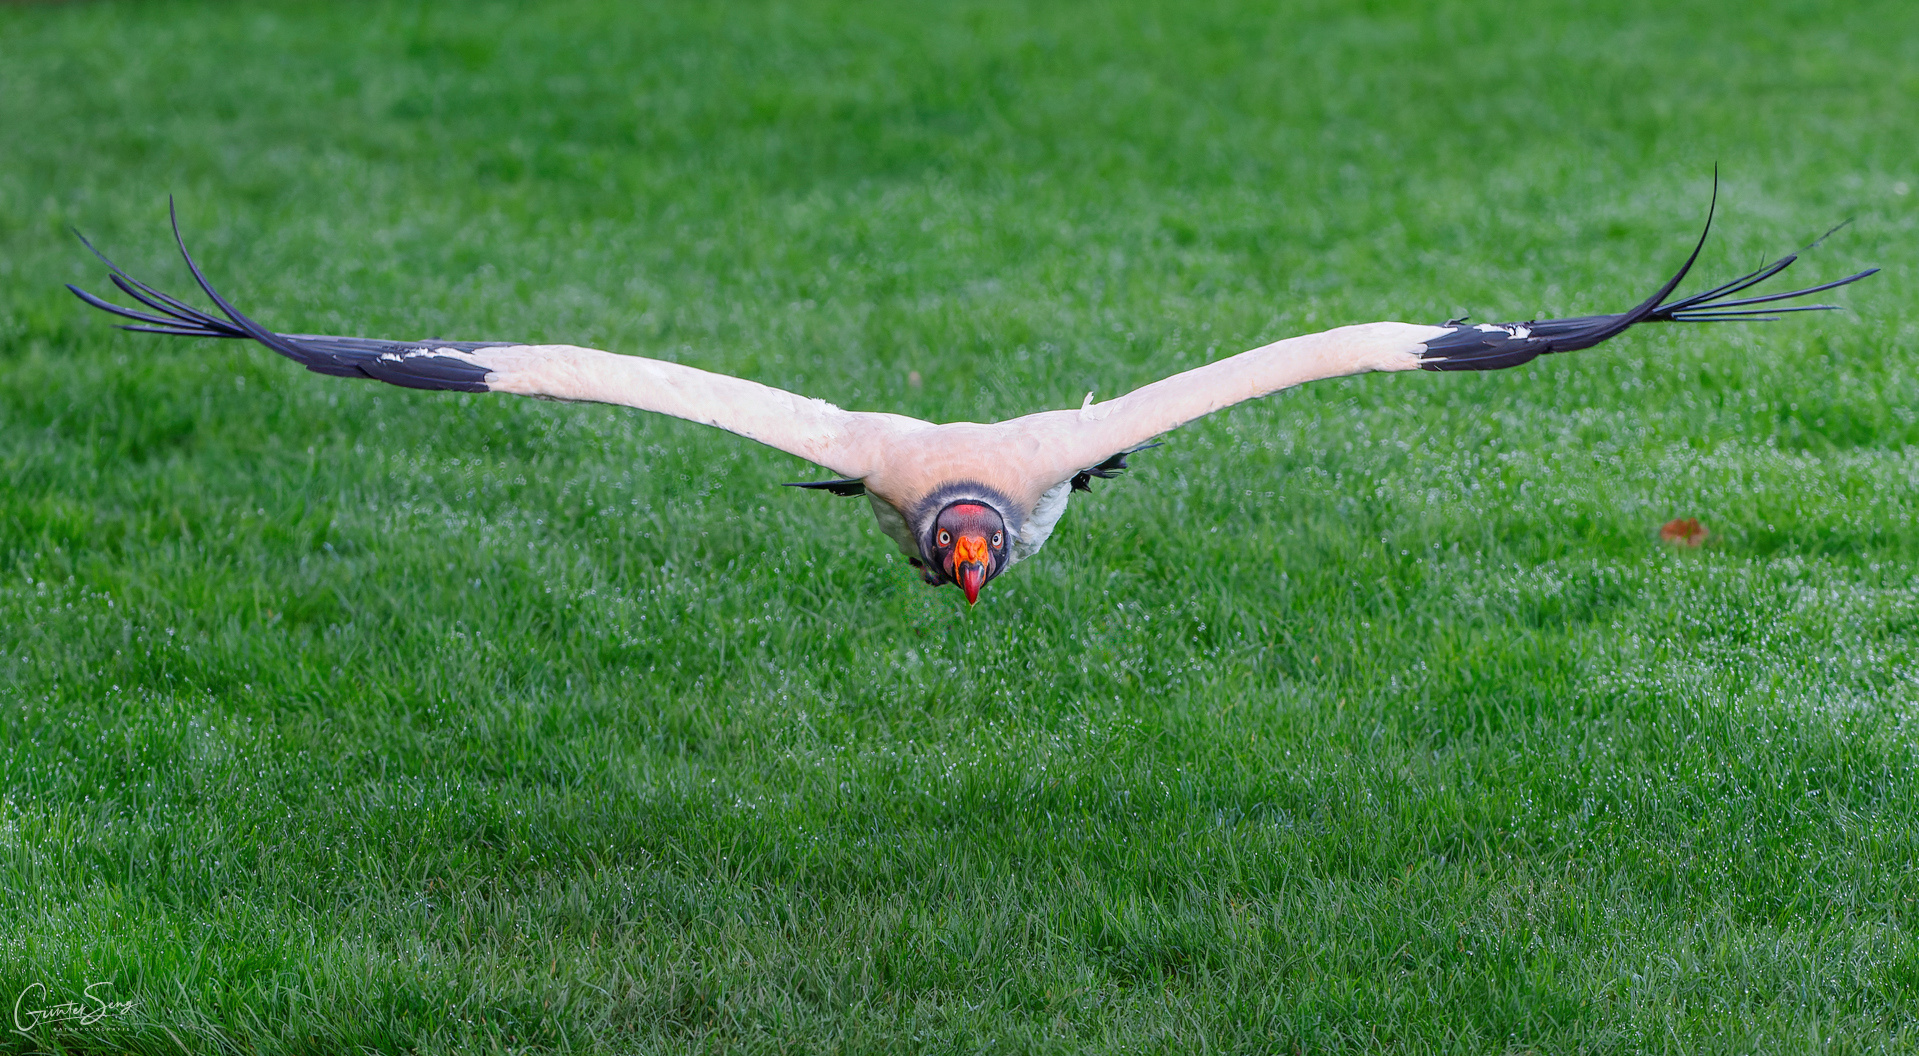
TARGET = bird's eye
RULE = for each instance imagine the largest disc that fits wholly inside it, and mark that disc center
(997, 539)
(945, 539)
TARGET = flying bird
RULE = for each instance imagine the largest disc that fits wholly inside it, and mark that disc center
(964, 501)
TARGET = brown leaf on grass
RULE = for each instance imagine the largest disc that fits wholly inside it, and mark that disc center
(1685, 531)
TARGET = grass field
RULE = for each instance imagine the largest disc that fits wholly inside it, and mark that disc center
(1371, 717)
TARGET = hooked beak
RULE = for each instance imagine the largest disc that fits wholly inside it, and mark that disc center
(969, 565)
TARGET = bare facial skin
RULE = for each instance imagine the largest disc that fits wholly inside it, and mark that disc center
(969, 545)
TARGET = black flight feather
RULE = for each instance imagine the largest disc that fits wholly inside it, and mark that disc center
(1107, 470)
(849, 486)
(1497, 346)
(410, 364)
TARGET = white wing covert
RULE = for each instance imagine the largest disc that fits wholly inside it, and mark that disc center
(1064, 444)
(1070, 442)
(851, 443)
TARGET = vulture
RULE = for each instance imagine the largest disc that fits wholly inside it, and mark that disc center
(964, 501)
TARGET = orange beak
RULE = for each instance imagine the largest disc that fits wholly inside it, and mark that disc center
(969, 565)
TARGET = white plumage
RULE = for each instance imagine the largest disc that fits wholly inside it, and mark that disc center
(964, 500)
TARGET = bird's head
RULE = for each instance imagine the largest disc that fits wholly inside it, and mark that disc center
(968, 545)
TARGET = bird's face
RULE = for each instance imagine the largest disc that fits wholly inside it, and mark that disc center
(969, 546)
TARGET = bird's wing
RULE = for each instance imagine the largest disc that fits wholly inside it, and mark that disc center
(1060, 444)
(848, 442)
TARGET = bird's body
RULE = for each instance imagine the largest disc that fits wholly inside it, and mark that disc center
(963, 500)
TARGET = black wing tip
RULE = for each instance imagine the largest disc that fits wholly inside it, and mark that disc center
(1500, 346)
(408, 364)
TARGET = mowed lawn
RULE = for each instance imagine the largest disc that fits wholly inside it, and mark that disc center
(1371, 717)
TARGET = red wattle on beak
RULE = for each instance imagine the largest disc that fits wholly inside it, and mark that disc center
(969, 565)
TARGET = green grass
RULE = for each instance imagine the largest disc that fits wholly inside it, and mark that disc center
(1371, 717)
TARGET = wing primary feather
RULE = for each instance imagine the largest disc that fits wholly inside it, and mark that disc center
(1751, 313)
(1620, 323)
(186, 314)
(252, 329)
(1768, 271)
(1750, 279)
(159, 304)
(1511, 344)
(1668, 311)
(410, 364)
(175, 314)
(846, 442)
(171, 331)
(172, 322)
(124, 313)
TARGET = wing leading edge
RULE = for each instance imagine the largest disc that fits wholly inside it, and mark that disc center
(1074, 440)
(849, 442)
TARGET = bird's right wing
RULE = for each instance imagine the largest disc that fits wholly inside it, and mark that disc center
(851, 443)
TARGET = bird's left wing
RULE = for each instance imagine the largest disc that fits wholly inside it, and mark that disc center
(851, 443)
(1060, 444)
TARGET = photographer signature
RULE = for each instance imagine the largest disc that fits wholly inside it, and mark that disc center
(72, 1013)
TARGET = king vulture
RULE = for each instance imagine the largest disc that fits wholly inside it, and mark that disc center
(965, 501)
